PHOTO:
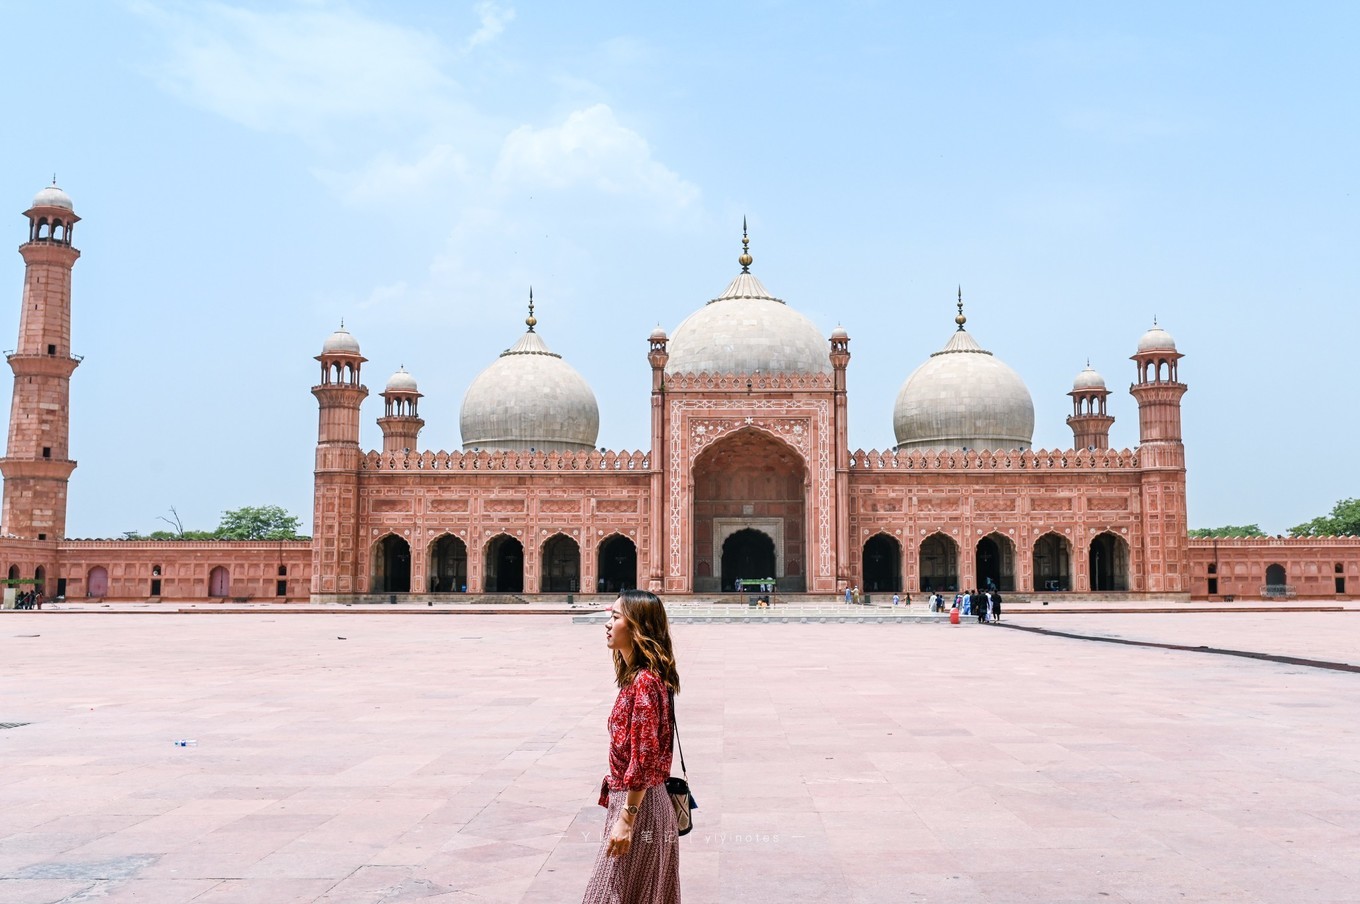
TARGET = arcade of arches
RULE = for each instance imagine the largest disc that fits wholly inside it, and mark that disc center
(994, 564)
(750, 494)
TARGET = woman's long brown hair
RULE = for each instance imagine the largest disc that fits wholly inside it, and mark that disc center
(651, 640)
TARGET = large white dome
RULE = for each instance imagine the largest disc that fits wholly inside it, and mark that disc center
(963, 397)
(745, 330)
(529, 398)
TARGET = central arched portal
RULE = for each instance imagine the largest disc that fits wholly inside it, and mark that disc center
(749, 482)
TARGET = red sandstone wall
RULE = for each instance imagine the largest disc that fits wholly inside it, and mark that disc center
(186, 567)
(1312, 567)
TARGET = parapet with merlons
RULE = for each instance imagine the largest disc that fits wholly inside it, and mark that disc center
(510, 461)
(704, 381)
(971, 460)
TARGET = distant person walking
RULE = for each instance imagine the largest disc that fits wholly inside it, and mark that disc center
(639, 858)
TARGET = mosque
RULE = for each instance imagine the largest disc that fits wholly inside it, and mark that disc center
(747, 473)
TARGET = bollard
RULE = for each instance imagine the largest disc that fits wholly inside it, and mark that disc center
(954, 616)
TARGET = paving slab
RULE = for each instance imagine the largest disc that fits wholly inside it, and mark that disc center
(342, 758)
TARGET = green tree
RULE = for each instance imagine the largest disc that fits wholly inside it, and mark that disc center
(258, 522)
(1229, 530)
(1344, 521)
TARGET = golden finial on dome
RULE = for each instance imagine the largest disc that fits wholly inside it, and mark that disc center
(745, 259)
(531, 321)
(960, 319)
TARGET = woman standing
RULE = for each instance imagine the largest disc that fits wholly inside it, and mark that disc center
(639, 860)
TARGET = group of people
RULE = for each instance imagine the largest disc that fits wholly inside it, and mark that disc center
(985, 606)
(29, 599)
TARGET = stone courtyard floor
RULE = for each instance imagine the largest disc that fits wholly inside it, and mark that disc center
(456, 758)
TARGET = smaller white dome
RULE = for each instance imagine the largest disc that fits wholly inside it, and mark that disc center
(1156, 340)
(401, 381)
(839, 333)
(51, 196)
(1088, 379)
(341, 342)
(658, 334)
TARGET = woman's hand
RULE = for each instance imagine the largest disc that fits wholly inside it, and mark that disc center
(620, 836)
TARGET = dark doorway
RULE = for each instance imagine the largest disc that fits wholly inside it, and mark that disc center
(881, 564)
(1276, 581)
(40, 580)
(749, 554)
(392, 565)
(561, 565)
(1109, 563)
(618, 565)
(995, 563)
(504, 565)
(939, 564)
(448, 565)
(1052, 563)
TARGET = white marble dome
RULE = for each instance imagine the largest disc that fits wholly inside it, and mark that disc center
(401, 381)
(529, 398)
(1156, 340)
(963, 397)
(1088, 379)
(746, 330)
(51, 196)
(341, 342)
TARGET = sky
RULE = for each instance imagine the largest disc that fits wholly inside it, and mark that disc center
(249, 174)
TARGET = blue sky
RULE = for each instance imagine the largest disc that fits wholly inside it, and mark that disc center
(250, 173)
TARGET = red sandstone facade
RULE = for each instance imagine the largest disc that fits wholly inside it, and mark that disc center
(748, 475)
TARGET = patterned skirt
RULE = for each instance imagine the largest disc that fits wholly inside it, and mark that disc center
(650, 872)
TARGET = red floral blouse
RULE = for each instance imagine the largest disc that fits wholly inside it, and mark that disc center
(639, 737)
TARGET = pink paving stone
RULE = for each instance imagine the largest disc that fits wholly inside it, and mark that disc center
(456, 759)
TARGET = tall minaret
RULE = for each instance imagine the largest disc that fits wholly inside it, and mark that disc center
(37, 464)
(1089, 421)
(401, 420)
(335, 512)
(1161, 458)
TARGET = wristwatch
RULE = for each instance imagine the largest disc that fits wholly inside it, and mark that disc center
(630, 809)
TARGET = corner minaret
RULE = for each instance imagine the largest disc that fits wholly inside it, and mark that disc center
(401, 421)
(1161, 458)
(1158, 392)
(1089, 421)
(335, 522)
(37, 464)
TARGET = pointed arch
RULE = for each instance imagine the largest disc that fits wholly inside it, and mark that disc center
(219, 582)
(939, 563)
(617, 561)
(1109, 562)
(1052, 563)
(881, 564)
(391, 565)
(503, 568)
(97, 582)
(561, 569)
(447, 556)
(994, 562)
(749, 479)
(750, 554)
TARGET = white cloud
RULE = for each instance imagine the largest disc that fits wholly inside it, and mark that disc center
(592, 148)
(493, 19)
(300, 68)
(386, 177)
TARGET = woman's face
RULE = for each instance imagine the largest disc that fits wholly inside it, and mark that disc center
(618, 633)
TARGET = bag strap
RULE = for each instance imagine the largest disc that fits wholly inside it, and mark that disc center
(675, 730)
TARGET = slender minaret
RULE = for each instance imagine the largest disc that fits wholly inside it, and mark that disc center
(1161, 458)
(401, 421)
(657, 357)
(1089, 421)
(335, 521)
(37, 464)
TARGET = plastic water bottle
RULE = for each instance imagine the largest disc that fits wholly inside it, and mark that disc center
(186, 742)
